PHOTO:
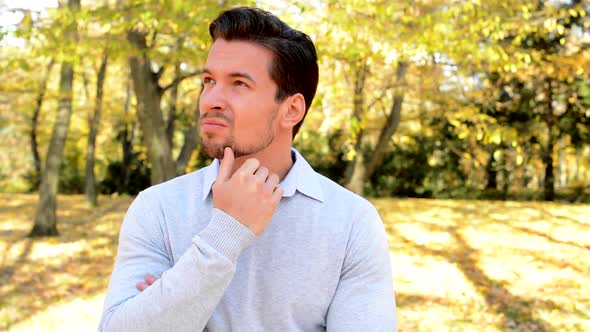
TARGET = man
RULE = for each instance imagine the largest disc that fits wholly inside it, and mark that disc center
(257, 241)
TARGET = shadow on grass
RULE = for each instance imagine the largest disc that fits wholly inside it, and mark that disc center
(550, 238)
(581, 221)
(7, 270)
(497, 296)
(37, 284)
(514, 309)
(406, 299)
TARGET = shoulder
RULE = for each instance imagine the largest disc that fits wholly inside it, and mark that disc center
(155, 204)
(357, 217)
(340, 198)
(334, 192)
(181, 187)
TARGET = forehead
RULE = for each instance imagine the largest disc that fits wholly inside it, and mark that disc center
(226, 57)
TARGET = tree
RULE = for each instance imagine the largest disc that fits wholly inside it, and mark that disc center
(378, 54)
(540, 88)
(35, 120)
(45, 223)
(150, 57)
(93, 121)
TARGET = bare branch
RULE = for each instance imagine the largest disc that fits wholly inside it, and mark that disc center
(160, 72)
(179, 79)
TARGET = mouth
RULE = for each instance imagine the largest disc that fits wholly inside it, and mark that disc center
(213, 125)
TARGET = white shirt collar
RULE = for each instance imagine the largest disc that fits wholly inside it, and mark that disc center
(301, 177)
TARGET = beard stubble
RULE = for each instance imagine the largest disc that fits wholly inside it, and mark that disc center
(215, 149)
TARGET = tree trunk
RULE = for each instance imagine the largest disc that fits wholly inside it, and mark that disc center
(126, 136)
(191, 140)
(174, 99)
(505, 173)
(355, 169)
(563, 164)
(549, 118)
(356, 183)
(393, 120)
(35, 119)
(172, 109)
(45, 217)
(362, 170)
(149, 94)
(492, 172)
(577, 164)
(90, 183)
(549, 182)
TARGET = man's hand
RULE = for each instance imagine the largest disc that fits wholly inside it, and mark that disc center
(149, 280)
(251, 195)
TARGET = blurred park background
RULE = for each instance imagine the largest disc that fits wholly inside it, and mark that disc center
(466, 122)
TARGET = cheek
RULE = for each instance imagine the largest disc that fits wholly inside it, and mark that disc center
(252, 113)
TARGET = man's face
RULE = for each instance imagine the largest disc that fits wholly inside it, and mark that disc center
(237, 105)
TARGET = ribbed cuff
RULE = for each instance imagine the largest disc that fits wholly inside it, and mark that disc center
(227, 235)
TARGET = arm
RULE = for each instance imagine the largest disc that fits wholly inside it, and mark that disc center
(364, 299)
(187, 293)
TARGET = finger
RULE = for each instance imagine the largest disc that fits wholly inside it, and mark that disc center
(249, 167)
(271, 183)
(150, 280)
(141, 286)
(277, 194)
(226, 165)
(261, 174)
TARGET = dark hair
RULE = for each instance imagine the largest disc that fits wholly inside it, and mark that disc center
(294, 67)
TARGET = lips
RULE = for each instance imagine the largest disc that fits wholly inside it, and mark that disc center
(213, 124)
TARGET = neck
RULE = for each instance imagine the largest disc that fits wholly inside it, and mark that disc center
(277, 158)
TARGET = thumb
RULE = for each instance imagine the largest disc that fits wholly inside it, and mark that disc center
(225, 165)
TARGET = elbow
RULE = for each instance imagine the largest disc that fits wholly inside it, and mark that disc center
(106, 320)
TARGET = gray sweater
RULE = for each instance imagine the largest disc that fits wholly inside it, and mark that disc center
(321, 264)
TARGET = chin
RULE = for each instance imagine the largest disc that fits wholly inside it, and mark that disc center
(213, 151)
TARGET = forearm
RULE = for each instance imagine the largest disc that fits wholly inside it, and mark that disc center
(186, 295)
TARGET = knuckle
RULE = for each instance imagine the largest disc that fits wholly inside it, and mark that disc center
(243, 176)
(251, 178)
(273, 179)
(253, 184)
(267, 193)
(256, 183)
(254, 162)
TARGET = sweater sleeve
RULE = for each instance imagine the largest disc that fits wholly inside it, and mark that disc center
(186, 293)
(364, 299)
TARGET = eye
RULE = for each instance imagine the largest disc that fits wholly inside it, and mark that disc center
(240, 83)
(208, 80)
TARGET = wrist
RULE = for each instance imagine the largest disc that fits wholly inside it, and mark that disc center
(226, 234)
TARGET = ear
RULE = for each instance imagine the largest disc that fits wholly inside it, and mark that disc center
(293, 111)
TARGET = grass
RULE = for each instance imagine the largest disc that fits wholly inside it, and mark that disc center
(458, 265)
(56, 284)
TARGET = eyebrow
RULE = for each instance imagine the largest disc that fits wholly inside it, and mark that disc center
(233, 74)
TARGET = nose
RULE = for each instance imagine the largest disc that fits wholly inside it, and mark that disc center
(212, 98)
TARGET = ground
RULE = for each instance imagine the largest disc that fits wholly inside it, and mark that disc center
(457, 265)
